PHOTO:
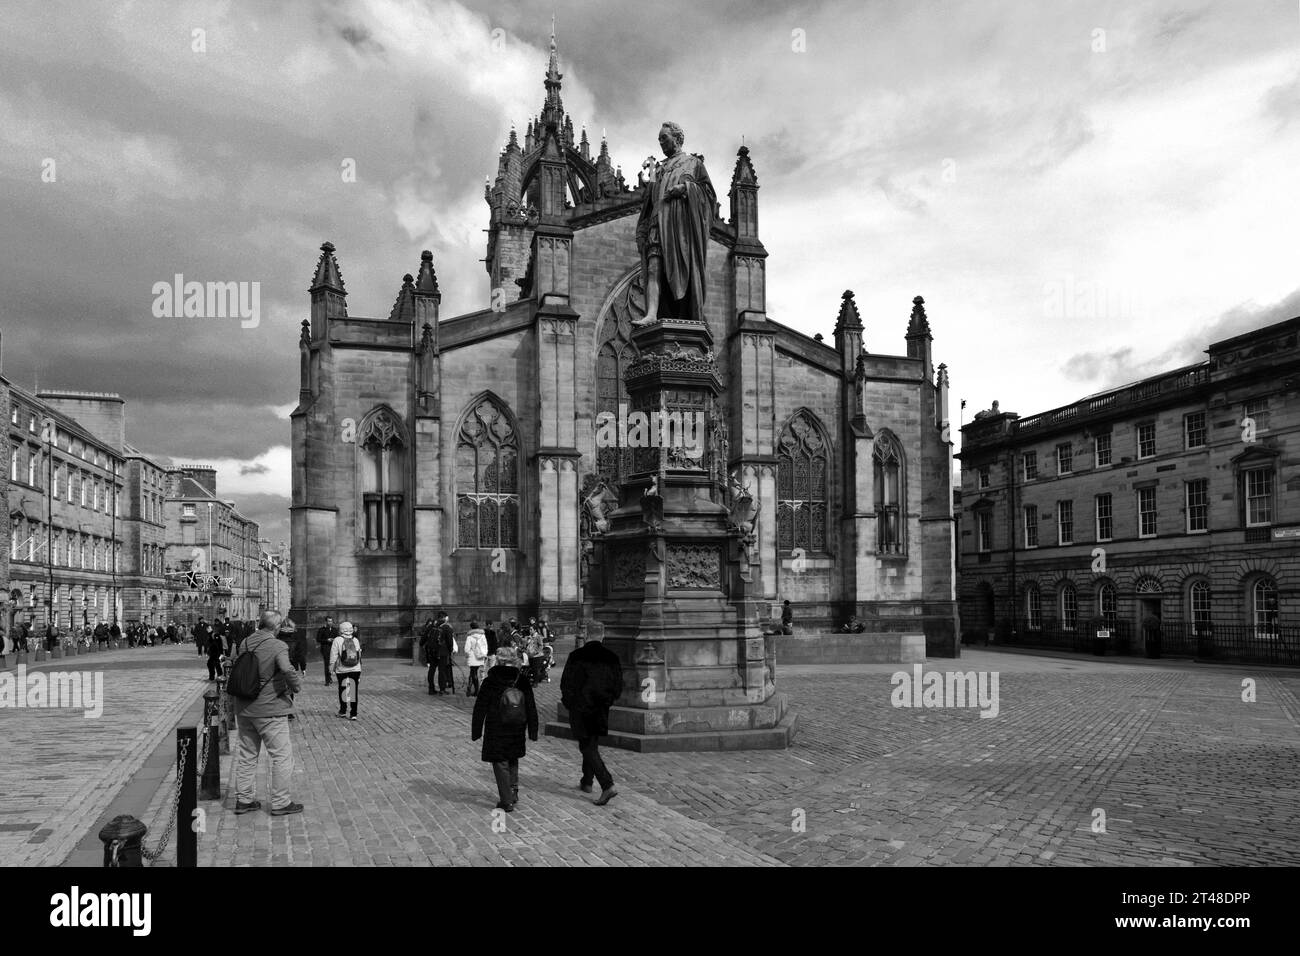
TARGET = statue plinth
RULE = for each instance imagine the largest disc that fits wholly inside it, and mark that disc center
(674, 590)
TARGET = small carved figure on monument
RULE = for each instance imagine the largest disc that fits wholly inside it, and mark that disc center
(672, 233)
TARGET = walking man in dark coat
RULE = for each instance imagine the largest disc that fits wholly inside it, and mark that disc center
(445, 646)
(592, 682)
(503, 745)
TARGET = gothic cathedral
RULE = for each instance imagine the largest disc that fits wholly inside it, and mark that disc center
(464, 464)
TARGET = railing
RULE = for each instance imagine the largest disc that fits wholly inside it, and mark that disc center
(1176, 381)
(1230, 643)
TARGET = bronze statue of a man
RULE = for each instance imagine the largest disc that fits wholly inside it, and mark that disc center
(672, 234)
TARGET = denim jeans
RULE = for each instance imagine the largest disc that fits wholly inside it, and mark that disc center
(274, 733)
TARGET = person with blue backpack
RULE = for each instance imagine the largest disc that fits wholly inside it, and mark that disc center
(345, 662)
(503, 710)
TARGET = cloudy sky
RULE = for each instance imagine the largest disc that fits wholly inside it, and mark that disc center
(1084, 192)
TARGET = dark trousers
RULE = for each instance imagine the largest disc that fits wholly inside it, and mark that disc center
(445, 678)
(592, 765)
(214, 667)
(343, 680)
(431, 675)
(507, 775)
(472, 689)
(325, 659)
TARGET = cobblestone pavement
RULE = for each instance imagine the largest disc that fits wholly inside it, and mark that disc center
(1087, 762)
(60, 770)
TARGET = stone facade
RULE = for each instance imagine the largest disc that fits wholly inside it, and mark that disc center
(110, 509)
(1181, 496)
(444, 464)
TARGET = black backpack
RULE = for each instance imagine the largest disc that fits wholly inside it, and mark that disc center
(245, 677)
(512, 710)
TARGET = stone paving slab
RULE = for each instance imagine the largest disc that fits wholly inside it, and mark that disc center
(1185, 772)
(59, 770)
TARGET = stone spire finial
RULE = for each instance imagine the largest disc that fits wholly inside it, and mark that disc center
(744, 171)
(918, 324)
(427, 283)
(404, 308)
(327, 271)
(848, 317)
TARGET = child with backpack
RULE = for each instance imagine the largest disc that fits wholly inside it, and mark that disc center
(503, 710)
(345, 662)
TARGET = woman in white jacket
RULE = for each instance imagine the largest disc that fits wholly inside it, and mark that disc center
(476, 650)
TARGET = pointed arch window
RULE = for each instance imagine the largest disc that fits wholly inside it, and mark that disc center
(887, 466)
(802, 479)
(615, 353)
(381, 459)
(487, 478)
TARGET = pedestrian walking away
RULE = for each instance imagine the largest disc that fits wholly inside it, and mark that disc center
(476, 652)
(325, 641)
(592, 682)
(503, 711)
(345, 662)
(263, 719)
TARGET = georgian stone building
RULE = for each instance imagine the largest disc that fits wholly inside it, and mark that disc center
(88, 518)
(1174, 501)
(454, 463)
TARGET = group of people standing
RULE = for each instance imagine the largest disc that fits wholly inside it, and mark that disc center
(505, 709)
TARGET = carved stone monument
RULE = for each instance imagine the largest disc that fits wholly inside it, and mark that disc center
(672, 583)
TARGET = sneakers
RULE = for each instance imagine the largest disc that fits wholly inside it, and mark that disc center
(342, 716)
(507, 807)
(604, 798)
(584, 787)
(353, 717)
(287, 809)
(242, 807)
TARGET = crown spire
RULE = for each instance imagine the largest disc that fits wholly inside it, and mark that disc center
(553, 110)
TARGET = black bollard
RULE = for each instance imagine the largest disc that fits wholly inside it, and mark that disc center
(210, 786)
(123, 838)
(187, 754)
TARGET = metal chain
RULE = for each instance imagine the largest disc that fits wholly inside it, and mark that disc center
(113, 849)
(203, 753)
(176, 799)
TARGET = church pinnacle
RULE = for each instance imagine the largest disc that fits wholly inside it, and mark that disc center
(553, 109)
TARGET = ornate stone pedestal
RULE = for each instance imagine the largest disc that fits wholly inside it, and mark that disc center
(673, 569)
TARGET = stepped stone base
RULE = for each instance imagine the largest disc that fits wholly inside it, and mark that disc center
(866, 648)
(672, 729)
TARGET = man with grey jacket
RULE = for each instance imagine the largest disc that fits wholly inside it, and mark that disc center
(265, 720)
